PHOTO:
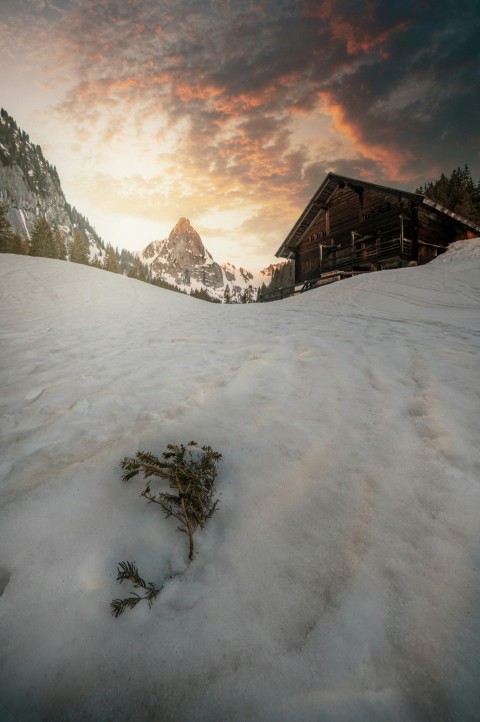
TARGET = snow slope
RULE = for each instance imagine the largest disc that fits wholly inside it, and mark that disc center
(338, 579)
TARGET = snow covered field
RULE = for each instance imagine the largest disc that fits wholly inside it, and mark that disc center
(339, 579)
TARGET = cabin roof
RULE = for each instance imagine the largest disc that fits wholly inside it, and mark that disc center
(321, 197)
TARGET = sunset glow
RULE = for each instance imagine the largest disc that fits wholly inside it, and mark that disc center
(231, 113)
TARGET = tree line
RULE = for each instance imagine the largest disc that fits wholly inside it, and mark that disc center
(48, 242)
(457, 192)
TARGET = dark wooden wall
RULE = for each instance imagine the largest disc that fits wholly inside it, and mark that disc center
(374, 215)
(364, 210)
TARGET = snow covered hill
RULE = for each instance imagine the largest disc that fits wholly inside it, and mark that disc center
(339, 579)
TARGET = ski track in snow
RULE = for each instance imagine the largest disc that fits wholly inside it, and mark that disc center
(338, 579)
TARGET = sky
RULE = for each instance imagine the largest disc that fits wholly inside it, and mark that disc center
(339, 577)
(231, 113)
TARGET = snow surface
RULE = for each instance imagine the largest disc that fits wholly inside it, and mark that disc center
(338, 579)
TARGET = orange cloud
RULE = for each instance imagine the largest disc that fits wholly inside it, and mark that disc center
(350, 34)
(392, 161)
(359, 33)
(188, 92)
(161, 78)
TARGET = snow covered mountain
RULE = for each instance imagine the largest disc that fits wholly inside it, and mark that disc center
(30, 188)
(182, 260)
(339, 578)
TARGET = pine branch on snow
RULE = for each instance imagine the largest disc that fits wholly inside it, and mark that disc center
(128, 571)
(191, 473)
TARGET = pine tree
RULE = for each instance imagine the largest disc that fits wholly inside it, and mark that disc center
(110, 263)
(247, 295)
(138, 271)
(261, 294)
(458, 193)
(19, 245)
(203, 295)
(41, 241)
(59, 245)
(79, 249)
(6, 232)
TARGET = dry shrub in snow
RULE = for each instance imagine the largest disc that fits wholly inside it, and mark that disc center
(191, 473)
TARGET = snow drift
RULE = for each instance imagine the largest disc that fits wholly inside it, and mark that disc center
(339, 578)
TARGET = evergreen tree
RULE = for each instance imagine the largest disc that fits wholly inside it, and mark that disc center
(96, 262)
(138, 270)
(282, 283)
(41, 242)
(110, 263)
(6, 232)
(19, 245)
(458, 193)
(79, 249)
(272, 290)
(126, 260)
(203, 295)
(262, 292)
(247, 295)
(59, 245)
(162, 283)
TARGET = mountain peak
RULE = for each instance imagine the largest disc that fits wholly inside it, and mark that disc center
(184, 239)
(183, 225)
(182, 260)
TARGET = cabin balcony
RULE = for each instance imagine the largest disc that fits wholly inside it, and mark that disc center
(365, 249)
(363, 255)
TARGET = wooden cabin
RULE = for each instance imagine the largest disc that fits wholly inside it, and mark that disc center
(351, 226)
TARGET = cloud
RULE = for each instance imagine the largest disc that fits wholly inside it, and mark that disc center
(397, 105)
(214, 93)
(243, 67)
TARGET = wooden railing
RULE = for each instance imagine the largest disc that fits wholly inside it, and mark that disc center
(349, 254)
(362, 252)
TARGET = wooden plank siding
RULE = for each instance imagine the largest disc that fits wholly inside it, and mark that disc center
(354, 226)
(373, 217)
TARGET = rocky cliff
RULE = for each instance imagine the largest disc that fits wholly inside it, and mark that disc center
(30, 189)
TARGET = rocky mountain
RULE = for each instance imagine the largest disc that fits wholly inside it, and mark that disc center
(30, 189)
(182, 260)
